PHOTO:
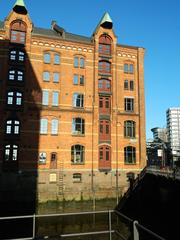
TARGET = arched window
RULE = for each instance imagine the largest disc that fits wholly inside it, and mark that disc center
(16, 75)
(104, 85)
(18, 32)
(104, 130)
(16, 55)
(129, 68)
(11, 153)
(79, 62)
(105, 45)
(12, 127)
(14, 98)
(43, 126)
(54, 126)
(56, 58)
(78, 126)
(77, 154)
(129, 129)
(130, 155)
(78, 100)
(104, 157)
(104, 67)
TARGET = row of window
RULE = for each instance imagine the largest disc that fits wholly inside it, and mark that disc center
(77, 154)
(78, 127)
(103, 84)
(79, 62)
(15, 98)
(77, 79)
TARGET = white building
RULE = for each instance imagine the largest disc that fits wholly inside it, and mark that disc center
(159, 133)
(173, 130)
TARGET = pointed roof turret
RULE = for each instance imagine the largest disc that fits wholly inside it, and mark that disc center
(20, 7)
(106, 21)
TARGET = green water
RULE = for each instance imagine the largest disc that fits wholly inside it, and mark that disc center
(54, 226)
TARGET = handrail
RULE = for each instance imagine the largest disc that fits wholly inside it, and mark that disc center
(149, 231)
(136, 226)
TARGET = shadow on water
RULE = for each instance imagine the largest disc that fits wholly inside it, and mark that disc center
(18, 152)
(155, 204)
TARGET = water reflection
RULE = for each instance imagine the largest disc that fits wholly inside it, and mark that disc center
(55, 226)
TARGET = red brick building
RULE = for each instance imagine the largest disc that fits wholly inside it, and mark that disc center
(71, 107)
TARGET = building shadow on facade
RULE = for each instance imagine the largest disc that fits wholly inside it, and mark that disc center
(19, 137)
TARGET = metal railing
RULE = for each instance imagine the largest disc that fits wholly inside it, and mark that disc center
(135, 227)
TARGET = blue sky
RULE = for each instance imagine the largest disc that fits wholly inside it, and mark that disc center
(154, 25)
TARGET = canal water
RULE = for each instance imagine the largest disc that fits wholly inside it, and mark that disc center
(52, 227)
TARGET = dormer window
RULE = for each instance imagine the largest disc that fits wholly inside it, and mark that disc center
(18, 32)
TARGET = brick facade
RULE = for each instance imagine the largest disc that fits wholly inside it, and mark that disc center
(84, 167)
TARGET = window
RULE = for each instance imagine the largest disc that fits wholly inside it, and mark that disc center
(47, 58)
(55, 99)
(54, 127)
(129, 104)
(45, 97)
(104, 105)
(12, 127)
(104, 130)
(43, 126)
(78, 126)
(79, 62)
(75, 79)
(78, 100)
(81, 80)
(46, 76)
(76, 61)
(128, 68)
(53, 162)
(130, 155)
(11, 152)
(104, 157)
(82, 64)
(53, 156)
(78, 79)
(131, 68)
(104, 67)
(104, 153)
(42, 157)
(17, 55)
(56, 59)
(55, 77)
(126, 84)
(14, 98)
(77, 154)
(131, 86)
(129, 129)
(104, 85)
(77, 177)
(105, 45)
(18, 32)
(16, 75)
